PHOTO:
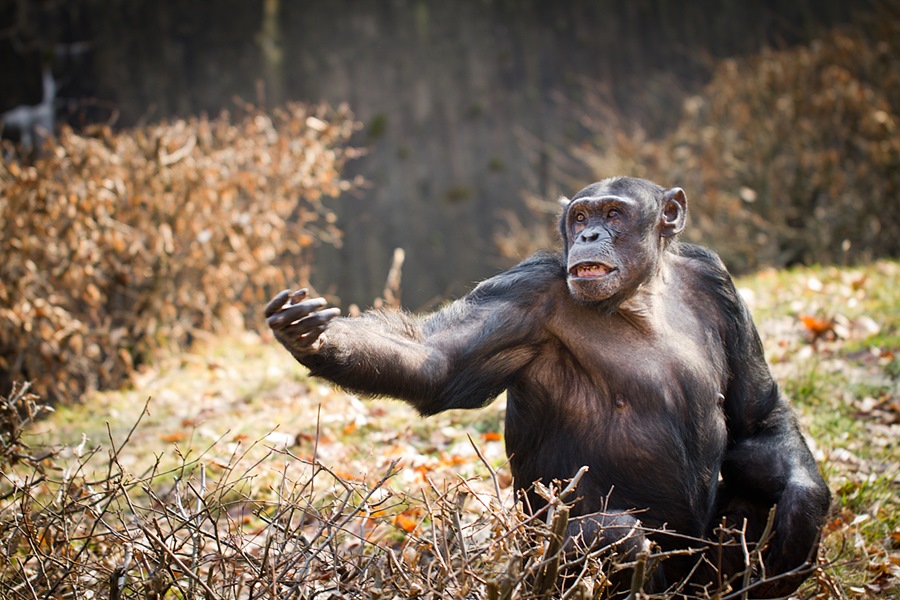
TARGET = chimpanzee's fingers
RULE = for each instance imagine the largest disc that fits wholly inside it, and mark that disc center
(313, 321)
(295, 312)
(276, 303)
(310, 338)
(299, 295)
(323, 316)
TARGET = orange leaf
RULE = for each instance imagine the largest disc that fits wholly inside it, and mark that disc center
(405, 523)
(453, 460)
(173, 437)
(816, 326)
(492, 436)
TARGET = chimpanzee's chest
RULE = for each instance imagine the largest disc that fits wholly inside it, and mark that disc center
(641, 408)
(675, 367)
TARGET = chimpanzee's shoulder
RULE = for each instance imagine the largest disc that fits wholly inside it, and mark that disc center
(709, 272)
(538, 273)
(701, 254)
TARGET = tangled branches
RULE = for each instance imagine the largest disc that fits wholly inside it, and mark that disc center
(80, 525)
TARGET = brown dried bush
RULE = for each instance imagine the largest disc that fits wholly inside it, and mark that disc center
(90, 528)
(787, 157)
(117, 244)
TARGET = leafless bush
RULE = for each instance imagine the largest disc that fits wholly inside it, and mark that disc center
(116, 244)
(17, 411)
(83, 526)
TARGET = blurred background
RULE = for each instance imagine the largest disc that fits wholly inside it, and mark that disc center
(175, 163)
(168, 166)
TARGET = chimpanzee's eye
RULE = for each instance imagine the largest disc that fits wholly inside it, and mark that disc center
(580, 218)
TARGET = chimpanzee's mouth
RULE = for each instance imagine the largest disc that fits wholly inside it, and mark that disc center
(590, 270)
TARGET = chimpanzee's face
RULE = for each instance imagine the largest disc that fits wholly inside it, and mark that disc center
(612, 247)
(613, 233)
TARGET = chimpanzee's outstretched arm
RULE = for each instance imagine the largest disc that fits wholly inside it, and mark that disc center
(460, 357)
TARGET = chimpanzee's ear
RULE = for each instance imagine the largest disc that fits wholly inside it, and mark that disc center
(674, 212)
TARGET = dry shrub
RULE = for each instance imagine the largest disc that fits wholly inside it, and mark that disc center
(80, 525)
(17, 411)
(787, 157)
(117, 244)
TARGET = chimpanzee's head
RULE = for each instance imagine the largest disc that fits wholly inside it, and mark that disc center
(614, 234)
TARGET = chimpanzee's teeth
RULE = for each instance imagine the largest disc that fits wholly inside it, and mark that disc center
(591, 270)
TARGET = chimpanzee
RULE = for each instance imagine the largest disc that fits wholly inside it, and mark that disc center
(628, 352)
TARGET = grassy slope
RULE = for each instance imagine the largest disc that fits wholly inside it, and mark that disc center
(832, 336)
(833, 339)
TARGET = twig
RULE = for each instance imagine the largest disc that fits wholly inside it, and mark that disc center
(638, 575)
(388, 474)
(118, 575)
(490, 469)
(115, 451)
(457, 525)
(552, 552)
(391, 293)
(159, 543)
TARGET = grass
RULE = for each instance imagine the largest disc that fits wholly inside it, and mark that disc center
(841, 370)
(226, 472)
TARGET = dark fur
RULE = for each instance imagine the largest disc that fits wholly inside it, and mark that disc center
(627, 386)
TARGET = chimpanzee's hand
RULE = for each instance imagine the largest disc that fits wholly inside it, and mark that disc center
(296, 322)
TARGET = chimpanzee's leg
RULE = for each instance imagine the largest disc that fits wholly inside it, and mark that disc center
(620, 538)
